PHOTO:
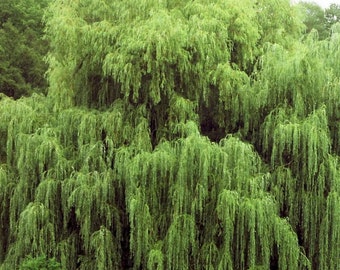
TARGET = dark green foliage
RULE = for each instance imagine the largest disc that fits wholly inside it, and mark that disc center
(332, 15)
(22, 48)
(320, 20)
(314, 17)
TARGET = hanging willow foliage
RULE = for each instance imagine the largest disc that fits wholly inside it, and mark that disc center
(175, 135)
(105, 249)
(7, 186)
(114, 55)
(35, 234)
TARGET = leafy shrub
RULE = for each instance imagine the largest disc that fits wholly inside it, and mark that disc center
(40, 263)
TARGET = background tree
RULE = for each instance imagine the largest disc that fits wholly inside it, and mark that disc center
(313, 16)
(22, 47)
(332, 14)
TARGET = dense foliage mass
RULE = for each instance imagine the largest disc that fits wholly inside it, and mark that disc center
(22, 48)
(175, 135)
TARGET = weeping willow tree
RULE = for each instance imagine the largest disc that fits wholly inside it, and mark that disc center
(175, 135)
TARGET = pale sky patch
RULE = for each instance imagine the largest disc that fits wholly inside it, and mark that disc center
(322, 3)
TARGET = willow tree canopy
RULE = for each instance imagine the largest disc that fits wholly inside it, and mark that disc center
(176, 135)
